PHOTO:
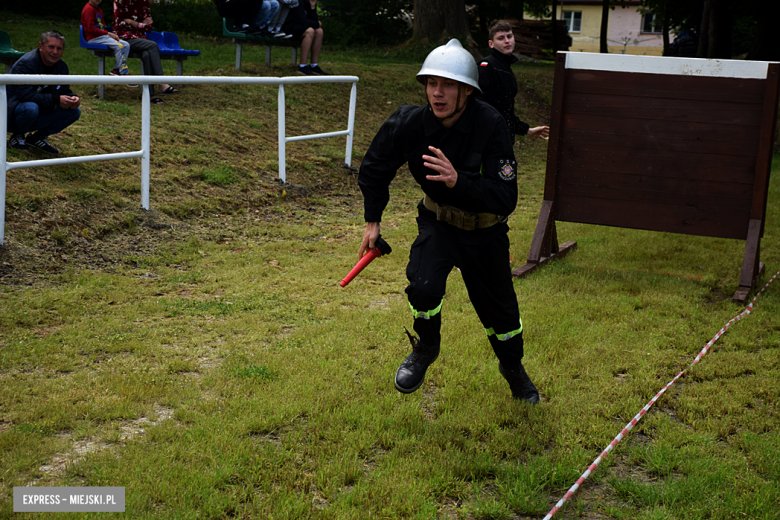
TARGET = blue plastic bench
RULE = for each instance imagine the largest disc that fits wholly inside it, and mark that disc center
(167, 52)
(172, 43)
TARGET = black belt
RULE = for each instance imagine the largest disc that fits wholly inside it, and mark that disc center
(462, 219)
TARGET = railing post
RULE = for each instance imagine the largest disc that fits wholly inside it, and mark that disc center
(351, 124)
(3, 161)
(101, 72)
(282, 136)
(145, 141)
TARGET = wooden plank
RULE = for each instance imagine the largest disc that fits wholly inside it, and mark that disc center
(751, 266)
(725, 90)
(528, 268)
(673, 110)
(658, 163)
(556, 126)
(703, 219)
(542, 229)
(752, 253)
(764, 161)
(667, 190)
(685, 67)
(694, 138)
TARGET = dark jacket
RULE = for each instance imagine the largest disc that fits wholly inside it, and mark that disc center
(303, 15)
(499, 88)
(47, 97)
(478, 145)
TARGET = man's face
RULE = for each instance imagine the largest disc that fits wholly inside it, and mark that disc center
(504, 41)
(442, 94)
(51, 51)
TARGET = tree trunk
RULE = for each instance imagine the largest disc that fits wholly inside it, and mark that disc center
(483, 28)
(721, 24)
(766, 46)
(704, 33)
(554, 26)
(604, 47)
(667, 45)
(439, 20)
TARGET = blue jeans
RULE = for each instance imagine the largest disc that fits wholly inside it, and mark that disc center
(267, 11)
(27, 117)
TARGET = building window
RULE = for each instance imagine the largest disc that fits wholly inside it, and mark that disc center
(649, 24)
(573, 20)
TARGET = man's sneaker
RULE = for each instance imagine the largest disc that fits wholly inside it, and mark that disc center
(17, 141)
(306, 71)
(279, 34)
(521, 385)
(318, 71)
(114, 72)
(411, 373)
(40, 142)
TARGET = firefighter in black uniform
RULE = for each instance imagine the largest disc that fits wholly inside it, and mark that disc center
(460, 153)
(498, 82)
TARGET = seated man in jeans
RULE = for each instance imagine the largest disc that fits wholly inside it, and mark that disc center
(45, 109)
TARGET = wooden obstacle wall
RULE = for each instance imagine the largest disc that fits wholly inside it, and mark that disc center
(679, 145)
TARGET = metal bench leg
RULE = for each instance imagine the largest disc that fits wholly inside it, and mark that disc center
(268, 56)
(180, 67)
(294, 56)
(239, 49)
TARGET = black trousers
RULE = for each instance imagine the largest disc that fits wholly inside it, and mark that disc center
(150, 58)
(482, 256)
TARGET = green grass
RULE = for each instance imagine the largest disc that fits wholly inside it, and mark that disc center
(203, 356)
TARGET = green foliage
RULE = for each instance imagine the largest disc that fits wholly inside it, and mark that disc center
(188, 17)
(367, 22)
(52, 8)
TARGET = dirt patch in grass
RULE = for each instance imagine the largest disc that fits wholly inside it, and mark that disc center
(53, 236)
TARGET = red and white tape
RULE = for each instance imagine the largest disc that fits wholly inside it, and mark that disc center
(644, 410)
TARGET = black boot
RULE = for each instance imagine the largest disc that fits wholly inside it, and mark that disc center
(411, 373)
(521, 385)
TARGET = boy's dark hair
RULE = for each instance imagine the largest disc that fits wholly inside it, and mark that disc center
(499, 26)
(52, 34)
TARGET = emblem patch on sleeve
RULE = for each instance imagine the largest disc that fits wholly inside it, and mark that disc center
(507, 169)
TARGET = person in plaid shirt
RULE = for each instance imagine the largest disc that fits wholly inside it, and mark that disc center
(132, 20)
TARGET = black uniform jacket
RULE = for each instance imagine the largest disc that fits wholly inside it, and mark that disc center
(47, 97)
(478, 145)
(499, 88)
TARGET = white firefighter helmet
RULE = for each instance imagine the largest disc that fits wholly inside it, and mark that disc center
(451, 61)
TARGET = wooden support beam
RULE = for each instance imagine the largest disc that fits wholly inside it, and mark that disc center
(528, 268)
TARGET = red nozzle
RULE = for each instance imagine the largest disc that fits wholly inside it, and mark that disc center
(382, 248)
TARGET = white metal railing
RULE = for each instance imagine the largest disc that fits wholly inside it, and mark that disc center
(144, 152)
